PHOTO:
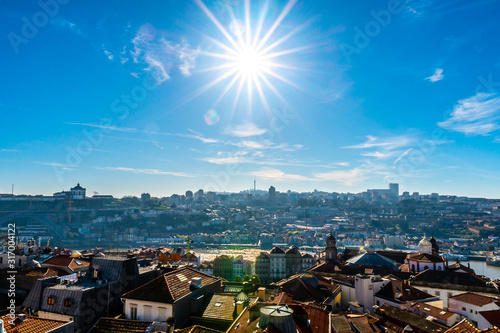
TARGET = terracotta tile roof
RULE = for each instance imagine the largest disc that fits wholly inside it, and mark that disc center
(492, 316)
(402, 318)
(340, 324)
(363, 324)
(474, 299)
(492, 329)
(69, 262)
(277, 249)
(402, 292)
(220, 306)
(170, 286)
(112, 325)
(432, 310)
(464, 326)
(31, 325)
(318, 318)
(197, 329)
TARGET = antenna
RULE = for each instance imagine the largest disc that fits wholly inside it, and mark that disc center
(254, 184)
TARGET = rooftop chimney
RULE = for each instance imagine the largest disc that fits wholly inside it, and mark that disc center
(21, 317)
(262, 293)
(196, 282)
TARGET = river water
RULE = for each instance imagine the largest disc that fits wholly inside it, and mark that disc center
(479, 267)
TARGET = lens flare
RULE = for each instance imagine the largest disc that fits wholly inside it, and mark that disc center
(211, 117)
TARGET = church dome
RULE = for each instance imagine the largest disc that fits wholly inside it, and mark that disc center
(425, 242)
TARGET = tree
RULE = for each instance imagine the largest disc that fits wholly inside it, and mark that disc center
(246, 278)
(255, 279)
(237, 278)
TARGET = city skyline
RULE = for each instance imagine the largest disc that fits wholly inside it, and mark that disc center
(169, 96)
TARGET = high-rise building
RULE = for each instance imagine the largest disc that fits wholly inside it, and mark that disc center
(272, 193)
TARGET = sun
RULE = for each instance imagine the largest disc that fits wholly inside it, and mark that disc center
(250, 59)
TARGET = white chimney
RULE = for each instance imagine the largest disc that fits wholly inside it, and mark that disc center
(196, 282)
(1, 326)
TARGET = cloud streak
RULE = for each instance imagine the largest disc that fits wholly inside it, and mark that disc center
(145, 171)
(476, 115)
(437, 76)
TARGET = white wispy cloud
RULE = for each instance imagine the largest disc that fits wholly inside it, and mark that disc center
(277, 175)
(160, 55)
(146, 171)
(406, 152)
(476, 115)
(105, 127)
(5, 150)
(245, 130)
(63, 23)
(437, 76)
(386, 143)
(55, 165)
(347, 177)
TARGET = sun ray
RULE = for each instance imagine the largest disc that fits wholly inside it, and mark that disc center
(217, 24)
(262, 15)
(287, 36)
(275, 25)
(229, 86)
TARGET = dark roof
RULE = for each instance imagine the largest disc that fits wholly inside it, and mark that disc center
(307, 287)
(170, 286)
(78, 187)
(492, 316)
(112, 325)
(402, 292)
(363, 324)
(474, 299)
(340, 324)
(372, 260)
(458, 266)
(425, 257)
(277, 249)
(292, 250)
(30, 324)
(115, 269)
(450, 277)
(397, 256)
(349, 253)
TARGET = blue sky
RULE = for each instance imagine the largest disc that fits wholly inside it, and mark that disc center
(166, 96)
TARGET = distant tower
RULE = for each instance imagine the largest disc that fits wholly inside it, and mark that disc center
(272, 193)
(435, 247)
(254, 184)
(394, 188)
(331, 249)
(425, 246)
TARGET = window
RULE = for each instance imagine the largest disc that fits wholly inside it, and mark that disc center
(437, 293)
(68, 302)
(450, 294)
(133, 312)
(464, 309)
(470, 310)
(20, 261)
(51, 300)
